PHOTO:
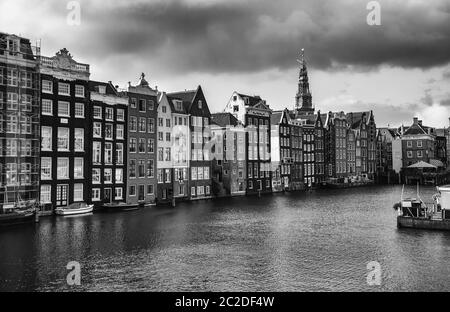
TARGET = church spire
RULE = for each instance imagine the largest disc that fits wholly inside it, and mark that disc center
(303, 99)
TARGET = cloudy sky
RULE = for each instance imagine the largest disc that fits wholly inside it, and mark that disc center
(399, 69)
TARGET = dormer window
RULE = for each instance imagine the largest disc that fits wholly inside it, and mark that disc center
(235, 98)
(235, 108)
(102, 89)
(13, 45)
(200, 104)
(246, 100)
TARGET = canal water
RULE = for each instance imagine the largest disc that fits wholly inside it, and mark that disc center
(316, 241)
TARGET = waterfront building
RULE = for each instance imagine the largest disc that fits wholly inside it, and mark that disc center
(196, 106)
(254, 114)
(181, 146)
(308, 141)
(164, 164)
(385, 137)
(65, 131)
(281, 156)
(19, 121)
(142, 143)
(108, 143)
(351, 153)
(228, 155)
(336, 128)
(296, 132)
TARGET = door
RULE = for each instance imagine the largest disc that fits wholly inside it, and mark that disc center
(62, 191)
(108, 196)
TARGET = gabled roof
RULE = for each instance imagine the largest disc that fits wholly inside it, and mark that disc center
(252, 100)
(110, 89)
(354, 119)
(171, 100)
(415, 128)
(421, 164)
(275, 118)
(186, 96)
(224, 119)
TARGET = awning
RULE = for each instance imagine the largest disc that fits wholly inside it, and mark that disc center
(422, 164)
(436, 162)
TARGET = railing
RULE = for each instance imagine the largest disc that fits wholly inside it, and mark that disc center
(49, 61)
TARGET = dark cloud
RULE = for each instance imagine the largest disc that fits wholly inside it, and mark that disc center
(427, 99)
(253, 35)
(445, 102)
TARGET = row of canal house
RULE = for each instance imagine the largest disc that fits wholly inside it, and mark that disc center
(101, 144)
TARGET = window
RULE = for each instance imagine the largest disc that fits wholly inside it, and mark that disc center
(46, 140)
(79, 110)
(132, 146)
(78, 192)
(193, 191)
(119, 175)
(133, 124)
(150, 189)
(207, 190)
(200, 104)
(168, 136)
(46, 194)
(409, 143)
(109, 113)
(133, 103)
(160, 136)
(419, 154)
(96, 152)
(150, 146)
(97, 112)
(79, 91)
(97, 129)
(102, 89)
(200, 190)
(194, 173)
(142, 125)
(168, 175)
(63, 109)
(132, 190)
(62, 168)
(118, 193)
(107, 175)
(200, 173)
(95, 194)
(47, 86)
(419, 143)
(141, 168)
(142, 143)
(142, 105)
(151, 105)
(47, 107)
(141, 192)
(151, 125)
(96, 176)
(206, 173)
(160, 177)
(150, 168)
(12, 100)
(79, 139)
(132, 168)
(120, 114)
(409, 154)
(119, 132)
(46, 168)
(108, 153)
(168, 154)
(63, 88)
(119, 153)
(78, 168)
(11, 124)
(63, 139)
(109, 131)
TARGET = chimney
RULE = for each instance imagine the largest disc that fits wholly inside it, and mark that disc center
(420, 122)
(415, 120)
(402, 130)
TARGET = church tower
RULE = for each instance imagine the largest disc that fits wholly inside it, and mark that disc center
(303, 99)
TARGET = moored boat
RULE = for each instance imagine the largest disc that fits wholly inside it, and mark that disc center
(120, 206)
(415, 213)
(18, 216)
(75, 209)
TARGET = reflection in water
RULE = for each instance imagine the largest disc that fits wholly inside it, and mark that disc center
(318, 241)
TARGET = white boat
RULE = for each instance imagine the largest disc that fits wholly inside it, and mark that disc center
(75, 208)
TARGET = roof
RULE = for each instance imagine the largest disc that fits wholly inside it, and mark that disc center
(436, 163)
(355, 118)
(275, 118)
(171, 100)
(252, 100)
(421, 164)
(110, 89)
(224, 119)
(186, 96)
